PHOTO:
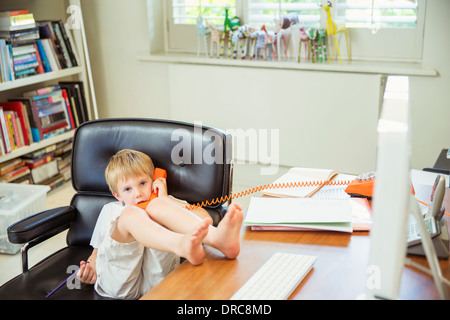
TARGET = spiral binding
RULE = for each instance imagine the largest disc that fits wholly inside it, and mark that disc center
(265, 187)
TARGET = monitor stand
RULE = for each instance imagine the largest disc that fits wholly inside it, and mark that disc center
(430, 251)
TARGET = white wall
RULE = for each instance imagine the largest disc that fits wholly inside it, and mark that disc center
(326, 119)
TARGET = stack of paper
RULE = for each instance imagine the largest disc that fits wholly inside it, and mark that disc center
(266, 213)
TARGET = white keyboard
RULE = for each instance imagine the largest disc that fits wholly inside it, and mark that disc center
(277, 278)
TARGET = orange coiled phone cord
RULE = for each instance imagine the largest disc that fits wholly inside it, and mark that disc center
(265, 187)
(321, 183)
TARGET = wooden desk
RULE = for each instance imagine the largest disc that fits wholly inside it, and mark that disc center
(338, 273)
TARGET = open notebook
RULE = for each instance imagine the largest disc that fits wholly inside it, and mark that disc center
(308, 175)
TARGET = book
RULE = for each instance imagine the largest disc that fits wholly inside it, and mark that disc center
(15, 20)
(5, 132)
(50, 108)
(50, 54)
(68, 109)
(54, 181)
(76, 89)
(69, 43)
(40, 152)
(15, 174)
(12, 130)
(62, 44)
(46, 31)
(10, 165)
(299, 214)
(7, 71)
(20, 35)
(33, 163)
(44, 172)
(33, 118)
(300, 175)
(43, 56)
(22, 115)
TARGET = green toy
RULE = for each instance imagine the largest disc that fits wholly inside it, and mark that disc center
(229, 26)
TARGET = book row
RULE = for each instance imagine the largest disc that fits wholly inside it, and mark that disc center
(29, 47)
(41, 114)
(48, 166)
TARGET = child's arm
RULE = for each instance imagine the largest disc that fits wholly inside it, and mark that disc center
(87, 272)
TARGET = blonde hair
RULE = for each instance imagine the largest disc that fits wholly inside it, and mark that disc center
(127, 163)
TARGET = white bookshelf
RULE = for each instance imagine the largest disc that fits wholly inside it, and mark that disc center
(40, 78)
(36, 146)
(50, 10)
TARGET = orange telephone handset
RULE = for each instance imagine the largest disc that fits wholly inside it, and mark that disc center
(158, 173)
(362, 186)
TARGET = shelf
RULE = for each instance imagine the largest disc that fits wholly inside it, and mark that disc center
(368, 67)
(36, 146)
(4, 86)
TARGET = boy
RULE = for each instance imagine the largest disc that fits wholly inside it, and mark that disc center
(121, 266)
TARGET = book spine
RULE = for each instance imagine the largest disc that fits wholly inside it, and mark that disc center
(62, 45)
(69, 111)
(9, 124)
(45, 62)
(40, 68)
(69, 44)
(26, 58)
(6, 139)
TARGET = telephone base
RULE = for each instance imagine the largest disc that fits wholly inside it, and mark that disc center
(441, 244)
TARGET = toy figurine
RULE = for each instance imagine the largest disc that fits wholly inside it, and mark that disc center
(269, 42)
(229, 26)
(202, 32)
(215, 38)
(258, 43)
(305, 41)
(333, 31)
(282, 31)
(313, 34)
(322, 45)
(241, 37)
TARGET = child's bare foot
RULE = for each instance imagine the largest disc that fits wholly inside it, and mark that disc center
(192, 244)
(226, 237)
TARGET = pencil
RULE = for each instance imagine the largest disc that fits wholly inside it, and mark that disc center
(62, 283)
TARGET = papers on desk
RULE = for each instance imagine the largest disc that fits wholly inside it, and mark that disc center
(322, 207)
(300, 214)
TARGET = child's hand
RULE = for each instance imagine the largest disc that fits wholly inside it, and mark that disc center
(87, 273)
(160, 185)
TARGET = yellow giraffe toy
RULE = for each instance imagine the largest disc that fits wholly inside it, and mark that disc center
(333, 31)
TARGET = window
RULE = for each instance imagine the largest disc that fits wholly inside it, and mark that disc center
(265, 11)
(187, 11)
(378, 13)
(379, 29)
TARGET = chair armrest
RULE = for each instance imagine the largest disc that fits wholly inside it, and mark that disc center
(42, 225)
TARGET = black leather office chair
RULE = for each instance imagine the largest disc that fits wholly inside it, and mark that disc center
(174, 146)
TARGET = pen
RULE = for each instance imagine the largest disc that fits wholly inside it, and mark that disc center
(62, 283)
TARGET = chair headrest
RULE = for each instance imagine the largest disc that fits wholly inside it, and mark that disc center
(197, 158)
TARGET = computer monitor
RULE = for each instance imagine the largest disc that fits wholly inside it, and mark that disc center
(392, 191)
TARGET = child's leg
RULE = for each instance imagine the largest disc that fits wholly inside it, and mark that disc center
(135, 226)
(226, 237)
